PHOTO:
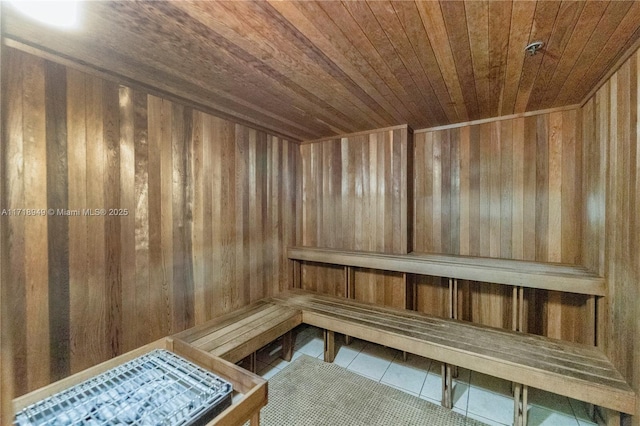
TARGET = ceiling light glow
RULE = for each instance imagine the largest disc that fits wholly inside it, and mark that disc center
(63, 14)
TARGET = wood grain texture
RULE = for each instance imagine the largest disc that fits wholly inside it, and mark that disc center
(355, 197)
(505, 189)
(316, 69)
(210, 209)
(575, 370)
(611, 219)
(6, 341)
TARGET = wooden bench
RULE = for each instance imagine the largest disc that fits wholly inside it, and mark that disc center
(574, 370)
(241, 333)
(578, 371)
(520, 273)
(516, 273)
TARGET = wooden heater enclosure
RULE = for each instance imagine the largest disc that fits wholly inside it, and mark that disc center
(217, 135)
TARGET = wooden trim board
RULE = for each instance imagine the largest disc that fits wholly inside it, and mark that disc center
(362, 133)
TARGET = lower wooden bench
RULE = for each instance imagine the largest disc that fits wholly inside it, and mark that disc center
(241, 333)
(573, 370)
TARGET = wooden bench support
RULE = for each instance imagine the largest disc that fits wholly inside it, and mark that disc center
(349, 292)
(287, 346)
(329, 346)
(447, 386)
(297, 274)
(607, 417)
(520, 405)
(255, 419)
(453, 312)
(252, 362)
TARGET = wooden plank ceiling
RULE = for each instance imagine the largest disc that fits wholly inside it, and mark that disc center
(314, 69)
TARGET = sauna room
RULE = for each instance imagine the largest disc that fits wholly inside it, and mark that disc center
(320, 213)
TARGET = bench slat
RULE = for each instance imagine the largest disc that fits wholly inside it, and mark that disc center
(219, 334)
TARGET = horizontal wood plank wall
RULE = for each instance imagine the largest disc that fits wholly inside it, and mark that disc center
(355, 197)
(506, 189)
(210, 208)
(611, 213)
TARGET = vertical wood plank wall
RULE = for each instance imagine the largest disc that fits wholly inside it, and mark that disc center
(506, 189)
(611, 213)
(210, 206)
(355, 193)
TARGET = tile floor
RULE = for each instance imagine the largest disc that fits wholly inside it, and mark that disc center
(475, 395)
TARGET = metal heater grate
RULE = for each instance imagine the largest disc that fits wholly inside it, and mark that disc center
(158, 388)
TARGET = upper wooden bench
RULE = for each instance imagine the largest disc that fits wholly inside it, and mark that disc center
(548, 276)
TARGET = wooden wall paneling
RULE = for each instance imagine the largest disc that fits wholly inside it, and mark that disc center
(542, 188)
(445, 195)
(203, 197)
(517, 205)
(517, 183)
(165, 286)
(113, 273)
(554, 244)
(432, 295)
(35, 228)
(141, 213)
(197, 244)
(127, 223)
(78, 253)
(58, 227)
(464, 189)
(6, 344)
(96, 320)
(491, 304)
(355, 197)
(227, 201)
(506, 188)
(14, 296)
(242, 220)
(495, 182)
(530, 154)
(485, 189)
(635, 157)
(611, 191)
(255, 208)
(571, 224)
(474, 191)
(157, 312)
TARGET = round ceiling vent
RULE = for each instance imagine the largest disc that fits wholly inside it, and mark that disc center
(532, 48)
